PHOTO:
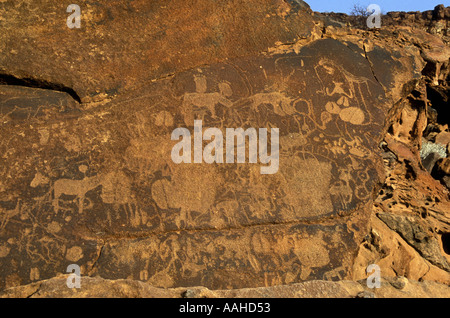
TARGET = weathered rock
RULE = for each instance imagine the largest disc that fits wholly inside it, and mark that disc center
(365, 294)
(122, 44)
(430, 21)
(442, 170)
(400, 282)
(98, 287)
(444, 166)
(212, 225)
(22, 103)
(443, 138)
(446, 181)
(430, 161)
(412, 231)
(439, 12)
(409, 192)
(429, 148)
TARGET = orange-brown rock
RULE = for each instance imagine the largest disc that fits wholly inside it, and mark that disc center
(122, 44)
(391, 287)
(443, 138)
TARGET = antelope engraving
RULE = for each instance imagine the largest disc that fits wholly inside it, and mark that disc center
(78, 188)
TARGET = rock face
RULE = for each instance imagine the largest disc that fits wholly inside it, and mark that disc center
(88, 172)
(398, 287)
(122, 43)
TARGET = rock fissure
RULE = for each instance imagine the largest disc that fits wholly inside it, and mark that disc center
(7, 79)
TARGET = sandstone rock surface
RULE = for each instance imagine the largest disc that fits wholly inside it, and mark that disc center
(392, 287)
(122, 44)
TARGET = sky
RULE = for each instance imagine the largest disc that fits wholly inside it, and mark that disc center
(386, 5)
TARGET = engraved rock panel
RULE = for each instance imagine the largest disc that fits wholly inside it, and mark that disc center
(104, 192)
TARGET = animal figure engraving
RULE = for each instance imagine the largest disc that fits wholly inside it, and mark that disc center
(77, 188)
(202, 99)
(282, 105)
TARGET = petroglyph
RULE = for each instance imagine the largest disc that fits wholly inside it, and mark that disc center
(347, 88)
(20, 103)
(314, 199)
(108, 177)
(77, 188)
(180, 194)
(194, 102)
(7, 215)
(282, 105)
(115, 189)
